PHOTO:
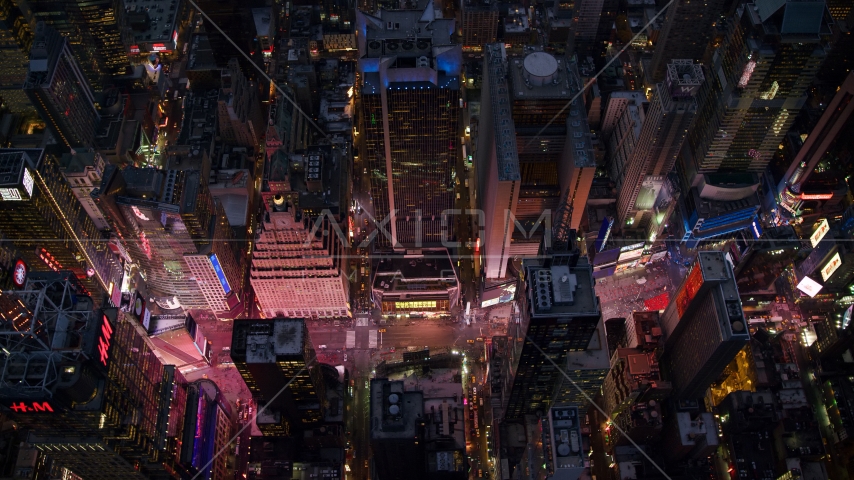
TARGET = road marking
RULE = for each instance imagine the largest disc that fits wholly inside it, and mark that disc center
(372, 339)
(351, 339)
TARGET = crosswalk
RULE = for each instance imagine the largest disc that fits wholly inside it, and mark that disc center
(372, 339)
(351, 339)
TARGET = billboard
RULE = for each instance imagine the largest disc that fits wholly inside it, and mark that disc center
(821, 229)
(604, 233)
(19, 273)
(689, 289)
(219, 273)
(830, 267)
(809, 286)
(631, 252)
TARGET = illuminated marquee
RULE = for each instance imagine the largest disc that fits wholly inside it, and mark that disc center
(821, 229)
(828, 270)
(809, 286)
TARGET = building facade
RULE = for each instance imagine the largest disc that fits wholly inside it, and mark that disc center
(671, 111)
(241, 121)
(560, 314)
(271, 354)
(297, 265)
(410, 96)
(58, 89)
(704, 325)
(39, 206)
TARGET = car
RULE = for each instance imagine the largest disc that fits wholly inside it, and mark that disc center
(470, 341)
(322, 347)
(382, 330)
(480, 472)
(479, 339)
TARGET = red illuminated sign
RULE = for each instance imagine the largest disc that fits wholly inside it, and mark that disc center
(159, 47)
(19, 273)
(816, 196)
(25, 407)
(134, 49)
(689, 289)
(104, 341)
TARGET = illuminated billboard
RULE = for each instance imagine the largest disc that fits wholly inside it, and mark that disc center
(219, 273)
(630, 252)
(689, 289)
(809, 286)
(830, 267)
(104, 340)
(821, 229)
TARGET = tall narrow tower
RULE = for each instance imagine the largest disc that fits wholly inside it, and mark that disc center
(670, 113)
(410, 96)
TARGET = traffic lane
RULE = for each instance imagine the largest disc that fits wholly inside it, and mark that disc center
(415, 335)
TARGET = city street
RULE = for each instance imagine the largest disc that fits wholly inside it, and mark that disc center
(621, 294)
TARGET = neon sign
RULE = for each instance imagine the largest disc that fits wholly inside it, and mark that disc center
(158, 47)
(25, 407)
(689, 289)
(104, 341)
(816, 196)
(134, 49)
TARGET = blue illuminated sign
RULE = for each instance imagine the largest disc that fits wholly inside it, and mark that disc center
(219, 273)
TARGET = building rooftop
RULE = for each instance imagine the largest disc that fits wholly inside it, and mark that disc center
(432, 270)
(539, 75)
(567, 448)
(595, 357)
(562, 290)
(506, 152)
(693, 431)
(13, 163)
(201, 55)
(263, 24)
(514, 23)
(394, 411)
(421, 24)
(152, 21)
(268, 341)
(200, 121)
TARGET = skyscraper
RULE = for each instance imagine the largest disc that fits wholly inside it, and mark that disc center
(59, 90)
(297, 264)
(829, 130)
(74, 397)
(587, 368)
(763, 67)
(560, 315)
(93, 27)
(176, 232)
(687, 30)
(241, 121)
(479, 23)
(704, 325)
(672, 107)
(497, 163)
(410, 97)
(270, 355)
(14, 50)
(42, 217)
